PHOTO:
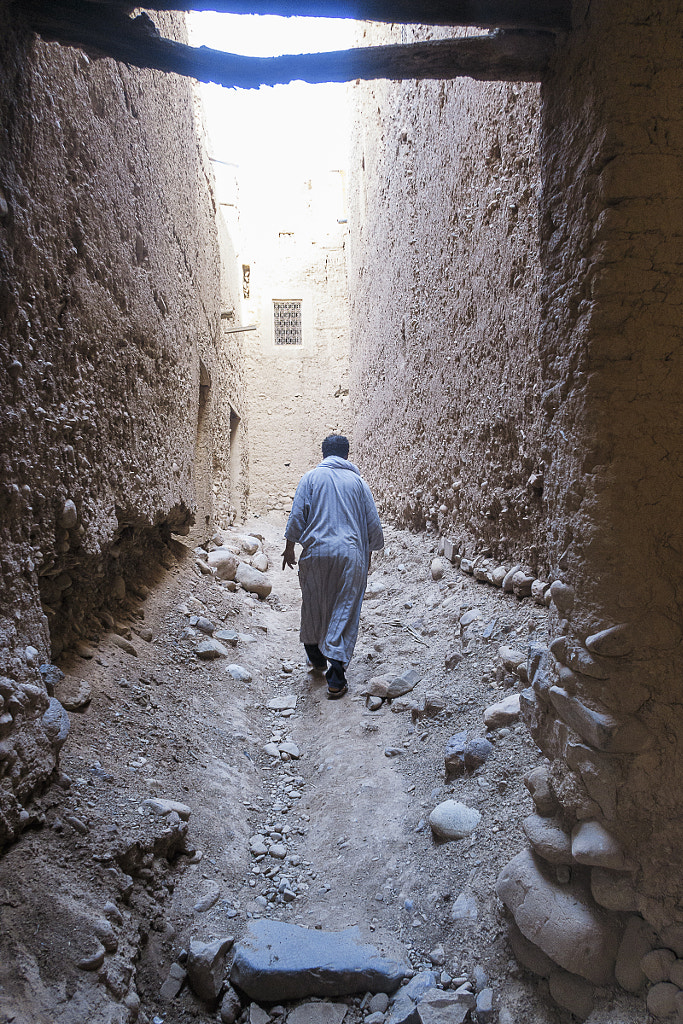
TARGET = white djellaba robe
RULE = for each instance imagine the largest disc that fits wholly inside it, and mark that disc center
(335, 520)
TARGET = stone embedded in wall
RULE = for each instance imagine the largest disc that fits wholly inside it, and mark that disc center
(613, 642)
(537, 781)
(576, 657)
(572, 993)
(562, 920)
(548, 839)
(638, 939)
(593, 845)
(600, 728)
(612, 890)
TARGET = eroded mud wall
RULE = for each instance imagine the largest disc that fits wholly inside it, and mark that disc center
(444, 281)
(110, 306)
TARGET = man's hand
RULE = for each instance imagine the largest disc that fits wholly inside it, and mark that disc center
(288, 555)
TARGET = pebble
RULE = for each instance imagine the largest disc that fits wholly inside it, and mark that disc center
(453, 820)
(638, 939)
(437, 956)
(374, 589)
(278, 850)
(562, 597)
(226, 636)
(503, 712)
(511, 657)
(74, 694)
(68, 517)
(202, 624)
(378, 1003)
(166, 807)
(175, 979)
(209, 650)
(477, 753)
(205, 967)
(676, 973)
(208, 900)
(375, 1018)
(257, 1015)
(124, 644)
(374, 703)
(239, 673)
(537, 782)
(94, 961)
(77, 824)
(394, 751)
(437, 569)
(454, 755)
(473, 615)
(282, 703)
(484, 1005)
(231, 1007)
(464, 908)
(614, 642)
(290, 748)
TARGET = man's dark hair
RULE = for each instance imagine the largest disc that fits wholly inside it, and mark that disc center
(336, 444)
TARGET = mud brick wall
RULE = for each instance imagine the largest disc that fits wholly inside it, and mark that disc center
(110, 296)
(446, 382)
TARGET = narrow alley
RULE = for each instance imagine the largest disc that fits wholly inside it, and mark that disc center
(283, 804)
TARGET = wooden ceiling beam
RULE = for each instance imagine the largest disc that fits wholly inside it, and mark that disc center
(502, 56)
(547, 15)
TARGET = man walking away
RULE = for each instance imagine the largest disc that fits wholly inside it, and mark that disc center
(335, 520)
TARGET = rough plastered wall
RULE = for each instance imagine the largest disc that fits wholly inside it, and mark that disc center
(607, 707)
(446, 385)
(297, 393)
(110, 306)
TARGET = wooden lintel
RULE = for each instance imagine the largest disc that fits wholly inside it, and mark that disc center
(549, 15)
(502, 56)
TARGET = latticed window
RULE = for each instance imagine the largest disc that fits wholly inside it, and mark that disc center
(287, 322)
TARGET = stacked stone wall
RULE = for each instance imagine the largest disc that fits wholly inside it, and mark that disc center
(110, 298)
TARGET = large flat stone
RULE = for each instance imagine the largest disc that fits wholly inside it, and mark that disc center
(276, 961)
(562, 920)
(317, 1013)
(437, 1007)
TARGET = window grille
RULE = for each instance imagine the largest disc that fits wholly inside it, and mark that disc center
(287, 322)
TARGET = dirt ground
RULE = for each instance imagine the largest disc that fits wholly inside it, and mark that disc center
(100, 868)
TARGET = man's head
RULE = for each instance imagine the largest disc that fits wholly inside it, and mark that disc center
(336, 444)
